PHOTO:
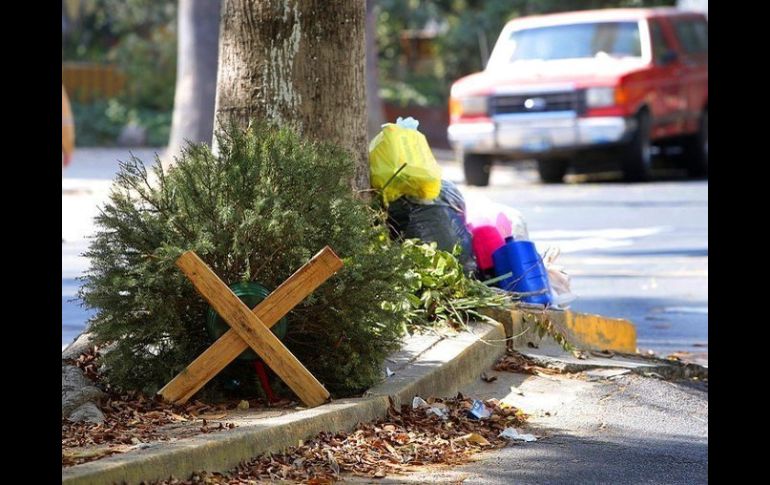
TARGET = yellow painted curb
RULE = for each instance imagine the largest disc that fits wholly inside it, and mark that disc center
(601, 333)
(583, 330)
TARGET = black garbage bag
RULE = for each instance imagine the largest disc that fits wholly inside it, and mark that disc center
(441, 220)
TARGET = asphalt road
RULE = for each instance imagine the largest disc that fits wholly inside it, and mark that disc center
(636, 251)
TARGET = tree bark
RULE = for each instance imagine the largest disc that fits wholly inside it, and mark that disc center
(296, 63)
(375, 111)
(196, 75)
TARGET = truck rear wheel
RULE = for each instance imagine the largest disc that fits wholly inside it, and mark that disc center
(552, 170)
(477, 169)
(637, 154)
(696, 149)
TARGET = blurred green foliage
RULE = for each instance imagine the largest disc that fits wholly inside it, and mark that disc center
(139, 37)
(99, 123)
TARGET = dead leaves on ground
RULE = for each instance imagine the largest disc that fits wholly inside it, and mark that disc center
(132, 419)
(87, 363)
(402, 440)
(514, 361)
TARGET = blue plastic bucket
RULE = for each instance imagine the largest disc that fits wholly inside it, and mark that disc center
(528, 271)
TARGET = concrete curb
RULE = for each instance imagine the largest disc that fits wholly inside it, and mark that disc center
(584, 331)
(437, 367)
(439, 370)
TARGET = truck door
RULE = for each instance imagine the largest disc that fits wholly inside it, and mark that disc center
(668, 91)
(692, 36)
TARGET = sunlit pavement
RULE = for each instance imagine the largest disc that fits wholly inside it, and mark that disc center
(637, 251)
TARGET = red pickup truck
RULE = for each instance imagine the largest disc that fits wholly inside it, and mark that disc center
(587, 90)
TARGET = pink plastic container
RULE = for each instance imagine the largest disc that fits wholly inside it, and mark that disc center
(486, 240)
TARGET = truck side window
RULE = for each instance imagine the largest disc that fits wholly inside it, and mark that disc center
(660, 46)
(702, 35)
(693, 35)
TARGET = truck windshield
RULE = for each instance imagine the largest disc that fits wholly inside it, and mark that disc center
(574, 41)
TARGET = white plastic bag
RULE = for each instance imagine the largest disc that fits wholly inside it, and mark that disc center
(559, 280)
(514, 434)
(480, 210)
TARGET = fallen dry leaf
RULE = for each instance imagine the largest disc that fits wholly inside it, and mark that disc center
(474, 438)
(514, 361)
(603, 353)
(579, 354)
(211, 416)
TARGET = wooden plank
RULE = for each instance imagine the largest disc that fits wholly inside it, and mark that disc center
(201, 370)
(299, 285)
(253, 331)
(270, 310)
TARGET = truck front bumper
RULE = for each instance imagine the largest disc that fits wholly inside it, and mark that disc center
(531, 134)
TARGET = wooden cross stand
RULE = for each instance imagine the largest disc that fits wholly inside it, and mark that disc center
(251, 328)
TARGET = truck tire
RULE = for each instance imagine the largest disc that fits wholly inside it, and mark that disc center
(477, 169)
(552, 170)
(637, 153)
(696, 149)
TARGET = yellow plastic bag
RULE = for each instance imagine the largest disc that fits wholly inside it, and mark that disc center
(395, 146)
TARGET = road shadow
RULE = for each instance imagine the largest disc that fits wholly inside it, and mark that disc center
(566, 459)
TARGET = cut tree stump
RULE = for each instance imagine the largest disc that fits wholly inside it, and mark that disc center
(251, 328)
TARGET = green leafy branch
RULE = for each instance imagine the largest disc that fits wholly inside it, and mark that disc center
(439, 292)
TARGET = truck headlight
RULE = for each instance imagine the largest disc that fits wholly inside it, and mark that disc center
(600, 97)
(468, 106)
(475, 105)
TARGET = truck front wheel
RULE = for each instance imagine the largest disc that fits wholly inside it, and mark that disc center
(477, 169)
(552, 170)
(637, 154)
(696, 149)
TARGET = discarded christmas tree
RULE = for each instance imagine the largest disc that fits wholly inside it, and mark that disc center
(256, 211)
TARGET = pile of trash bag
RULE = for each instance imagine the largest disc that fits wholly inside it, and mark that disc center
(420, 204)
(440, 220)
(493, 238)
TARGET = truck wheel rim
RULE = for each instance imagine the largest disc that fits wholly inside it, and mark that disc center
(646, 152)
(645, 142)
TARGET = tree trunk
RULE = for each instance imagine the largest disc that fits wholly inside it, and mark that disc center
(196, 75)
(296, 63)
(376, 114)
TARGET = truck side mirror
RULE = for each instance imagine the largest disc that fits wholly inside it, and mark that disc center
(669, 57)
